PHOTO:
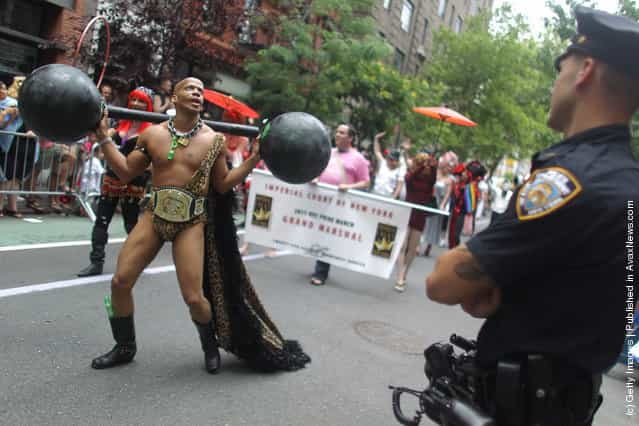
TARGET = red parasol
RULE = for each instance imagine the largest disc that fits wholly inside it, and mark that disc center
(446, 115)
(229, 104)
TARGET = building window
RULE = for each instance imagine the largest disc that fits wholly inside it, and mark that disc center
(458, 24)
(407, 14)
(425, 33)
(399, 59)
(387, 4)
(22, 16)
(452, 16)
(442, 8)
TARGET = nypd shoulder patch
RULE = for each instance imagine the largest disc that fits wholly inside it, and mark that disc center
(546, 190)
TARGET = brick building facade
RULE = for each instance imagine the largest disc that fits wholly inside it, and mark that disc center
(241, 40)
(408, 25)
(37, 32)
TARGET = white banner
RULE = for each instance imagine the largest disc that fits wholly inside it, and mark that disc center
(351, 230)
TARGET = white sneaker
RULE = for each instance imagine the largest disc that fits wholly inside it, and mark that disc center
(400, 287)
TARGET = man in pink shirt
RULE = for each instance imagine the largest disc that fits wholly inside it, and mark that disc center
(347, 169)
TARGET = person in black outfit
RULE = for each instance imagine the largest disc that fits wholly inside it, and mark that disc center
(560, 248)
(114, 191)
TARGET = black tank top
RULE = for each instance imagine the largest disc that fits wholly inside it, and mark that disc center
(126, 148)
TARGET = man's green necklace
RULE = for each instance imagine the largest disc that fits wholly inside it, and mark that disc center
(181, 138)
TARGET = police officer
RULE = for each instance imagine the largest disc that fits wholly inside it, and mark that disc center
(549, 274)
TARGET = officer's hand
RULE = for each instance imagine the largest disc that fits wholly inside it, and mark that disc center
(484, 305)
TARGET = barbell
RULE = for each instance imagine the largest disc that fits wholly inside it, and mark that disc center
(61, 103)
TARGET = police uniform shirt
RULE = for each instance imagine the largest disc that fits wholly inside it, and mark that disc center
(558, 254)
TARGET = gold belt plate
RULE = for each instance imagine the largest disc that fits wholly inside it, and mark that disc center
(173, 205)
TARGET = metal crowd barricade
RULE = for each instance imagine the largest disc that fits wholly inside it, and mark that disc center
(29, 168)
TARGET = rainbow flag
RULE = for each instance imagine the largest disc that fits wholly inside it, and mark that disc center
(471, 193)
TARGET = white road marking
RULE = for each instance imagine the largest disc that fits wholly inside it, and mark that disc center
(36, 288)
(32, 220)
(65, 244)
(55, 245)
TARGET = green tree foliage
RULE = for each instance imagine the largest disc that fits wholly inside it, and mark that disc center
(495, 79)
(562, 22)
(630, 9)
(323, 48)
(380, 97)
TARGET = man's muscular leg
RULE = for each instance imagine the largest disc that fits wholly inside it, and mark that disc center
(138, 251)
(188, 255)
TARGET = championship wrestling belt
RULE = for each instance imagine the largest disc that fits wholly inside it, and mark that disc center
(176, 205)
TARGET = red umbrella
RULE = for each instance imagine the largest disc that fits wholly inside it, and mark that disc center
(229, 104)
(446, 115)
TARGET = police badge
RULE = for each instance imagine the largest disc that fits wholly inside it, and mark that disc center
(545, 191)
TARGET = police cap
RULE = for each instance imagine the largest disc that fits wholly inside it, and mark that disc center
(610, 38)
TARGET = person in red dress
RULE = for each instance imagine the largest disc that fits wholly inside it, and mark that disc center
(420, 180)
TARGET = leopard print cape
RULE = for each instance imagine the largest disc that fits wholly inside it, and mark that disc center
(242, 325)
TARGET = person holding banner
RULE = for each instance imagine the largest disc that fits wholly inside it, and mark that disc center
(348, 169)
(420, 180)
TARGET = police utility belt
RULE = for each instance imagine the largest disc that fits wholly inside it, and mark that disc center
(528, 391)
(176, 205)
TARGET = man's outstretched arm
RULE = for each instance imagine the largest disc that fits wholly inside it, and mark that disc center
(224, 179)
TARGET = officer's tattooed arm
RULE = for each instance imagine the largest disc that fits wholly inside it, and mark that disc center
(458, 278)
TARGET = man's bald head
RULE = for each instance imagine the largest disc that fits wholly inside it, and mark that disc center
(184, 82)
(188, 95)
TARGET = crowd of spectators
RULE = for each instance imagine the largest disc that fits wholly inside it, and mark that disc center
(30, 165)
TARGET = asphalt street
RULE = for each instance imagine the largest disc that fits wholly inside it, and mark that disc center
(362, 336)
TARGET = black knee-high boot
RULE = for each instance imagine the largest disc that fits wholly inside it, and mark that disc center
(124, 350)
(209, 346)
(99, 238)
